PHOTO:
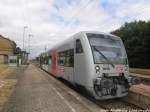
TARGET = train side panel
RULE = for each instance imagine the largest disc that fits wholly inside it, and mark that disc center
(88, 72)
(65, 60)
(81, 75)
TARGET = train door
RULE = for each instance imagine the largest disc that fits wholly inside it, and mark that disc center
(69, 63)
(60, 64)
(53, 63)
(49, 63)
(65, 64)
(79, 77)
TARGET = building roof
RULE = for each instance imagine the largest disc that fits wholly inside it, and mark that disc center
(6, 44)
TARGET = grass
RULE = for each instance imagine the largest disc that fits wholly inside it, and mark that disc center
(140, 71)
(7, 83)
(6, 91)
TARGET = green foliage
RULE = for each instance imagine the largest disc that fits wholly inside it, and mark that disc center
(136, 38)
(17, 50)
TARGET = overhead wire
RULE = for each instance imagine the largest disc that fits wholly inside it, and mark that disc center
(109, 21)
(84, 6)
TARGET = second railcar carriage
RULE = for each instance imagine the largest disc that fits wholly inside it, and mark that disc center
(93, 60)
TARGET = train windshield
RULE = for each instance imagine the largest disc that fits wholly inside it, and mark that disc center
(107, 49)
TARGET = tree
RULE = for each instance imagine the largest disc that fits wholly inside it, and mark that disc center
(17, 50)
(136, 38)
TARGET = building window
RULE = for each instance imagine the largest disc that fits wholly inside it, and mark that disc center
(12, 61)
(79, 48)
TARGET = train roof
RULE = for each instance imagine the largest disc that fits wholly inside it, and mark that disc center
(98, 32)
(85, 32)
(71, 38)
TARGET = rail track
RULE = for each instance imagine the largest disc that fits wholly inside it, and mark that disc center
(145, 81)
(109, 105)
(118, 104)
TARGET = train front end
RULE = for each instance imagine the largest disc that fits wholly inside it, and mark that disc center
(111, 69)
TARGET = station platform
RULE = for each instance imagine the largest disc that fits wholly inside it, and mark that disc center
(37, 91)
(139, 95)
(141, 89)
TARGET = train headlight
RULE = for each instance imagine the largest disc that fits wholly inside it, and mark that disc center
(97, 68)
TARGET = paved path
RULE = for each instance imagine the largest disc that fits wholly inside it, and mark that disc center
(36, 91)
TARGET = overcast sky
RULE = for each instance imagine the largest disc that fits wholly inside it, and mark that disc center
(52, 21)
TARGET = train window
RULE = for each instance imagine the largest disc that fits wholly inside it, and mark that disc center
(61, 61)
(66, 58)
(49, 59)
(46, 60)
(79, 48)
(42, 60)
(69, 58)
(61, 58)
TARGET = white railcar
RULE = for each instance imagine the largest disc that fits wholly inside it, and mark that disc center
(94, 60)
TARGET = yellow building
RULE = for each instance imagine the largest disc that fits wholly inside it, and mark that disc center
(7, 48)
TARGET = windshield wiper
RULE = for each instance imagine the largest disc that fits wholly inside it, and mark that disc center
(104, 56)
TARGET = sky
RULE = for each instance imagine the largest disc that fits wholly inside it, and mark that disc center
(52, 21)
